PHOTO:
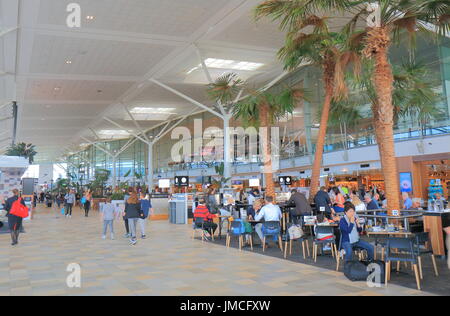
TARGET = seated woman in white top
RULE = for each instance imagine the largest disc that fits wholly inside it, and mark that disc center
(359, 206)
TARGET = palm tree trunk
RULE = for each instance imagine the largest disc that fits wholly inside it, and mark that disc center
(328, 78)
(378, 131)
(383, 82)
(268, 173)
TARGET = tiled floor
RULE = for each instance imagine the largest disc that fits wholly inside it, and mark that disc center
(167, 263)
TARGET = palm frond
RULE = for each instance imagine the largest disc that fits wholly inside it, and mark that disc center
(225, 89)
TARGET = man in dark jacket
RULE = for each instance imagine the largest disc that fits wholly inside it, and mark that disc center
(301, 204)
(322, 199)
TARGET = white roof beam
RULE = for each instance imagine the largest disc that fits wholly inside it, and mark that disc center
(163, 133)
(208, 75)
(125, 129)
(7, 31)
(135, 122)
(182, 95)
(93, 143)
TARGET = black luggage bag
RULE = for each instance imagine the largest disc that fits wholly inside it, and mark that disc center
(360, 271)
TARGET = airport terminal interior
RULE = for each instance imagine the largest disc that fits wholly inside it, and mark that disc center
(224, 148)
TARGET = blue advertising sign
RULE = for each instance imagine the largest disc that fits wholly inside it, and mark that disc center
(405, 182)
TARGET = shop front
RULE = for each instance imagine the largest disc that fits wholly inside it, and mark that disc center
(430, 174)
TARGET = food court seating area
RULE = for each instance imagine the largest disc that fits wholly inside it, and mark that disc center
(407, 257)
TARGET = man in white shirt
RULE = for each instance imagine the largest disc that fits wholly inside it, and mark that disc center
(270, 213)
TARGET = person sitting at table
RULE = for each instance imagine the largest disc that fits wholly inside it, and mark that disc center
(350, 229)
(268, 213)
(323, 221)
(372, 203)
(359, 205)
(301, 204)
(407, 202)
(201, 211)
(440, 201)
(227, 209)
(257, 205)
(252, 197)
(322, 200)
(416, 205)
(339, 201)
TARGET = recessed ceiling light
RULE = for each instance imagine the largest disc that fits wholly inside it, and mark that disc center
(57, 88)
(90, 17)
(68, 62)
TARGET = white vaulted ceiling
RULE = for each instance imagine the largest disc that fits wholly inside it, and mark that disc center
(66, 80)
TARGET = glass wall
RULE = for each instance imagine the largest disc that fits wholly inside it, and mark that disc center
(298, 132)
(130, 164)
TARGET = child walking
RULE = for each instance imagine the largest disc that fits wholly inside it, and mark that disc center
(147, 209)
(109, 213)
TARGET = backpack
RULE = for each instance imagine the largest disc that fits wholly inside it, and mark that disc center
(356, 271)
(18, 209)
(381, 268)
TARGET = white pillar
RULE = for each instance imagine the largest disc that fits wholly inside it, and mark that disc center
(150, 167)
(114, 173)
(226, 146)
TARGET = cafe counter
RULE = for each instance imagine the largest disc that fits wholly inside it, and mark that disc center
(434, 223)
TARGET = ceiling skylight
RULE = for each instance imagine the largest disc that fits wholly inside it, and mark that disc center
(149, 117)
(141, 113)
(228, 64)
(114, 133)
(144, 110)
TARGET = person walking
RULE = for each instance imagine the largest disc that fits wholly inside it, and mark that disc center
(109, 213)
(211, 201)
(58, 200)
(48, 199)
(70, 201)
(12, 206)
(133, 213)
(35, 199)
(147, 209)
(87, 202)
(125, 220)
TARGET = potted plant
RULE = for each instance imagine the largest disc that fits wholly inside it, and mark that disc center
(22, 150)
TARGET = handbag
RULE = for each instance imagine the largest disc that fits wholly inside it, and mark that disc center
(248, 228)
(63, 211)
(18, 209)
(83, 200)
(295, 232)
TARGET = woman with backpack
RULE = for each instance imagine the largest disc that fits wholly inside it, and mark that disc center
(15, 218)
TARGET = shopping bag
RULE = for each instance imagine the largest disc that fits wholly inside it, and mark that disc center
(18, 209)
(63, 211)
